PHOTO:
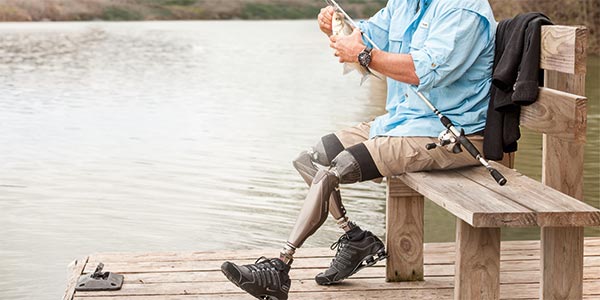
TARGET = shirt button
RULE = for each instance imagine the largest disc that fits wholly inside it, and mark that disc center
(406, 95)
(433, 65)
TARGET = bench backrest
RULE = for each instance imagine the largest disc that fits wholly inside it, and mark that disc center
(560, 113)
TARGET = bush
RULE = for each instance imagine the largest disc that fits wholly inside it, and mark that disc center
(175, 2)
(114, 13)
(278, 11)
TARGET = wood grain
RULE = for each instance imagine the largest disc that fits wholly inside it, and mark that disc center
(564, 49)
(404, 232)
(562, 263)
(519, 275)
(316, 265)
(75, 269)
(562, 169)
(477, 263)
(551, 207)
(561, 114)
(468, 200)
(310, 287)
(524, 291)
(592, 247)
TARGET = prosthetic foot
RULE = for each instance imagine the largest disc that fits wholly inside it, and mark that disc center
(356, 250)
(265, 279)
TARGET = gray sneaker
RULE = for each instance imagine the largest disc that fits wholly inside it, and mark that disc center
(353, 254)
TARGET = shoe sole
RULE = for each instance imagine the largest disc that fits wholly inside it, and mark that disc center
(263, 297)
(370, 260)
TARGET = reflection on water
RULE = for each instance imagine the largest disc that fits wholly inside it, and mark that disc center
(177, 136)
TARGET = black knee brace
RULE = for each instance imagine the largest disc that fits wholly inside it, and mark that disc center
(355, 164)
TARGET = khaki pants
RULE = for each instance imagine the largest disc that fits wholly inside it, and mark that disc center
(398, 155)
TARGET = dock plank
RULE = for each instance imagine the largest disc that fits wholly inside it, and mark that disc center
(75, 269)
(197, 276)
(430, 248)
(307, 263)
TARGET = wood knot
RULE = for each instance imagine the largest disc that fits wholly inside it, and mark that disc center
(405, 244)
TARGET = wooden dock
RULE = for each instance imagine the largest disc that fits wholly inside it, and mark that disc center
(197, 275)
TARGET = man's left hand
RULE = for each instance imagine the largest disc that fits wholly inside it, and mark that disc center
(348, 47)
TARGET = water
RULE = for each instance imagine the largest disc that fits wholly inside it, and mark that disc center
(158, 136)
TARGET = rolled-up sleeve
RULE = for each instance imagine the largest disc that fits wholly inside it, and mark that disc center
(377, 27)
(451, 47)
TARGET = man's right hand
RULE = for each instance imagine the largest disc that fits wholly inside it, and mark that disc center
(325, 17)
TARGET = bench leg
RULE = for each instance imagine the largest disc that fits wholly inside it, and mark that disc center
(477, 274)
(404, 233)
(562, 263)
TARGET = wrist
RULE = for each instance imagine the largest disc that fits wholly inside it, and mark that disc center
(374, 53)
(365, 57)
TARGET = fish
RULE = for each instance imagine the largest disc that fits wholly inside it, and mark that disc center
(340, 27)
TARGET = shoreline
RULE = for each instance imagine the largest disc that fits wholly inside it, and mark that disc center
(567, 12)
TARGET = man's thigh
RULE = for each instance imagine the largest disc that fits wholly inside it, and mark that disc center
(398, 155)
(354, 135)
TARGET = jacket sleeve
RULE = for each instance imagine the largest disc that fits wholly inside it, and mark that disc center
(507, 65)
(526, 86)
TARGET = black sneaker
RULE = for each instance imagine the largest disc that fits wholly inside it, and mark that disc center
(265, 279)
(353, 254)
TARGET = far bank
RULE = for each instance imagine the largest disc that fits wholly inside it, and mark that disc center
(566, 12)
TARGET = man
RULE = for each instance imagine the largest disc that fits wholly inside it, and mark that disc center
(443, 47)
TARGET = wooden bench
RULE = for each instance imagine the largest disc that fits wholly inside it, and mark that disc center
(482, 207)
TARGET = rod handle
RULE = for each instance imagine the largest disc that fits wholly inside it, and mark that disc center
(497, 176)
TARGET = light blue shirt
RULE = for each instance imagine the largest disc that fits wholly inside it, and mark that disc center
(452, 46)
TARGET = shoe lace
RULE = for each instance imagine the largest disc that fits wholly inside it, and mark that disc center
(265, 272)
(342, 256)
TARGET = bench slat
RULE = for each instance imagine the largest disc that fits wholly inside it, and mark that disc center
(471, 202)
(551, 207)
(563, 49)
(558, 113)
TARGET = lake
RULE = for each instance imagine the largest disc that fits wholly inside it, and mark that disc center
(160, 136)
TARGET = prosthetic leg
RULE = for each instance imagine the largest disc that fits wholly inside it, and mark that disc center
(307, 169)
(357, 249)
(323, 196)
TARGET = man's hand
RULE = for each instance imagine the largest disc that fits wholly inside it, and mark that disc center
(325, 18)
(348, 47)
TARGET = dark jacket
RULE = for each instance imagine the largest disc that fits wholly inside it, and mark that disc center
(515, 81)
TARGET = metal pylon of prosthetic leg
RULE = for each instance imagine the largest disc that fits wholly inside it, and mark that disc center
(323, 197)
(315, 208)
(307, 169)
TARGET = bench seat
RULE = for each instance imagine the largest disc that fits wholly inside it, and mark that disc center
(473, 196)
(482, 207)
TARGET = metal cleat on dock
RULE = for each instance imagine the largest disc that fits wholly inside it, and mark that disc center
(100, 281)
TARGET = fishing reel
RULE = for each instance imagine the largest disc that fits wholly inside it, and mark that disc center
(446, 138)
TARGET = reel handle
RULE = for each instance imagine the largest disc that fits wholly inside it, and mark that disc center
(500, 179)
(430, 146)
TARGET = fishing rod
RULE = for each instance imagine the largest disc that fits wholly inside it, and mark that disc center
(457, 135)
